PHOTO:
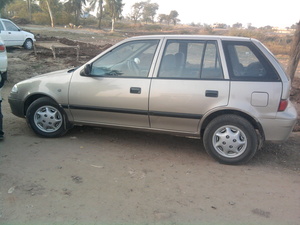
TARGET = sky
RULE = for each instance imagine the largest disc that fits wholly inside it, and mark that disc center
(260, 13)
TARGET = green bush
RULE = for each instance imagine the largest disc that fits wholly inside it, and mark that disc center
(41, 18)
(63, 18)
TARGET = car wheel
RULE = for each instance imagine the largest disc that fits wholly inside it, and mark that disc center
(46, 118)
(230, 139)
(28, 44)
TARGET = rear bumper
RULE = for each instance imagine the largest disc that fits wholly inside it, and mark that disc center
(280, 128)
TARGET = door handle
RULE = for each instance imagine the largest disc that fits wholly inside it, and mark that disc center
(211, 93)
(135, 90)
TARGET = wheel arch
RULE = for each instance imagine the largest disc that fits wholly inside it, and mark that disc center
(42, 97)
(32, 98)
(257, 126)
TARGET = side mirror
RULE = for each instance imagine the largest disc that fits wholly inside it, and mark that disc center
(86, 71)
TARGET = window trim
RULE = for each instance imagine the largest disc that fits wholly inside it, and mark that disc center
(205, 42)
(158, 41)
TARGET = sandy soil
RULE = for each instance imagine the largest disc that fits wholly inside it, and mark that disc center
(106, 176)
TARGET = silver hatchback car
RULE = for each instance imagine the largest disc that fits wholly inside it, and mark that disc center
(230, 91)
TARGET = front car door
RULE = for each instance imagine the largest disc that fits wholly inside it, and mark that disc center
(117, 91)
(188, 84)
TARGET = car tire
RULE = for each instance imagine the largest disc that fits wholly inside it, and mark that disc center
(28, 44)
(47, 118)
(230, 139)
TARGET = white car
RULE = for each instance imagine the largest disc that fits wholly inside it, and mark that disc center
(3, 58)
(12, 35)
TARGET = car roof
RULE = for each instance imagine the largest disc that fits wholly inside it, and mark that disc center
(198, 37)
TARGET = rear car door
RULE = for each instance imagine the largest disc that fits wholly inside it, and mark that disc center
(117, 91)
(189, 83)
(255, 84)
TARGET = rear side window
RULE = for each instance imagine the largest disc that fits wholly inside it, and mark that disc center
(247, 63)
(190, 59)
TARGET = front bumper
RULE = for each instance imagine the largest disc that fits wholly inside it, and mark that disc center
(16, 107)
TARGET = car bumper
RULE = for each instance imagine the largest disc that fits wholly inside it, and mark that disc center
(16, 107)
(284, 124)
(3, 64)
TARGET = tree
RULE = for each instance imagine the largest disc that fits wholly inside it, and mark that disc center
(114, 9)
(75, 7)
(98, 5)
(237, 26)
(295, 53)
(3, 3)
(47, 5)
(173, 16)
(164, 18)
(149, 11)
(29, 9)
(17, 8)
(137, 11)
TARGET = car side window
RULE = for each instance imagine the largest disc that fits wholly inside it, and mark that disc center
(1, 26)
(131, 59)
(10, 26)
(246, 62)
(190, 60)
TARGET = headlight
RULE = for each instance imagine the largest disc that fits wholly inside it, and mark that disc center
(14, 89)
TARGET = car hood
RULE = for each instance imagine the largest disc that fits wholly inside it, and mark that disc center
(54, 85)
(60, 77)
(60, 73)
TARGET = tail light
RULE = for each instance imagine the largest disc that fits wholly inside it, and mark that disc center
(282, 105)
(2, 48)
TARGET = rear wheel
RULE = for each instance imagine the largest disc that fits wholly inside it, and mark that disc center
(46, 118)
(230, 139)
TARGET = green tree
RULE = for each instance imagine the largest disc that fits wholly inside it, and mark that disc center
(29, 9)
(48, 6)
(98, 5)
(164, 18)
(18, 9)
(3, 3)
(149, 11)
(137, 11)
(114, 9)
(294, 53)
(173, 16)
(75, 7)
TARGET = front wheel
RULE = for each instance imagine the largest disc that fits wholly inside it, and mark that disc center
(28, 44)
(230, 139)
(46, 118)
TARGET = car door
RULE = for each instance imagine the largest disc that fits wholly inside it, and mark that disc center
(189, 83)
(255, 84)
(11, 34)
(117, 90)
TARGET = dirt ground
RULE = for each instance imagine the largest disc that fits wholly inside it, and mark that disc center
(107, 176)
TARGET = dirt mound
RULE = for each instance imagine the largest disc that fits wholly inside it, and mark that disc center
(87, 50)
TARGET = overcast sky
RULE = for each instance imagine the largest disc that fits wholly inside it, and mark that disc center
(257, 12)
